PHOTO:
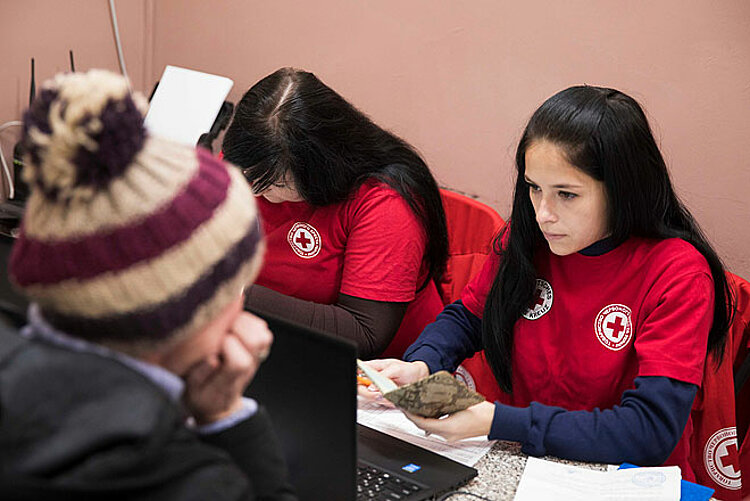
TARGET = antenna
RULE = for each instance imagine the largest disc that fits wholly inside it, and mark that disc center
(72, 63)
(32, 91)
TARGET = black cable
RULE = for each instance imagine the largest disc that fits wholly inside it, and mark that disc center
(465, 493)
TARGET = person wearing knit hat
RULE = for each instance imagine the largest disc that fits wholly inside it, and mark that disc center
(134, 252)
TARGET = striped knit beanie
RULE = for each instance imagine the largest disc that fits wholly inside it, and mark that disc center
(127, 239)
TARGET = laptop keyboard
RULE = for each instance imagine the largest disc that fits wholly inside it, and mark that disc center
(374, 483)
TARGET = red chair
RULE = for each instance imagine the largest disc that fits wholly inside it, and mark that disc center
(472, 227)
(718, 453)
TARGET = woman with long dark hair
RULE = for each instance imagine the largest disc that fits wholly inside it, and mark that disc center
(352, 216)
(601, 305)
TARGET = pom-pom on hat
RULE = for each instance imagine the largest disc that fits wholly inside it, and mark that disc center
(127, 239)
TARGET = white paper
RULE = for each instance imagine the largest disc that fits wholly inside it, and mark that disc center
(185, 104)
(559, 482)
(394, 423)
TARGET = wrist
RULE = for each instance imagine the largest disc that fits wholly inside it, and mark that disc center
(423, 368)
(202, 419)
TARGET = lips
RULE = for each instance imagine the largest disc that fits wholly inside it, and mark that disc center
(552, 236)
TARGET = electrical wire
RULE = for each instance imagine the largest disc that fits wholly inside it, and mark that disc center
(116, 31)
(6, 169)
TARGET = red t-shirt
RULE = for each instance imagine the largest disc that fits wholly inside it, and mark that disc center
(597, 322)
(370, 246)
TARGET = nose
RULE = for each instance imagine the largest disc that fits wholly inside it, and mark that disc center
(545, 212)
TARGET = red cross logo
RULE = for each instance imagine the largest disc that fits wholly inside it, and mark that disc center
(613, 326)
(731, 458)
(542, 300)
(304, 240)
(617, 327)
(538, 300)
(720, 457)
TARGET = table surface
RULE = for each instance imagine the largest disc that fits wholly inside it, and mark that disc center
(500, 470)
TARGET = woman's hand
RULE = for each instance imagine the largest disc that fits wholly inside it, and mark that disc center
(398, 371)
(472, 422)
(214, 386)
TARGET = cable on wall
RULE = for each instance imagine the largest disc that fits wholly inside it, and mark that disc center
(116, 31)
(6, 169)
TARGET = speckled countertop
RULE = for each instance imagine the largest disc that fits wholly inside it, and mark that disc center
(500, 471)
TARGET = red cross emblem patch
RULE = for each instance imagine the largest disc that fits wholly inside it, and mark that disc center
(613, 326)
(542, 301)
(721, 460)
(304, 240)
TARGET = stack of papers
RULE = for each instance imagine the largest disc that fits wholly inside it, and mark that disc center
(554, 481)
(393, 422)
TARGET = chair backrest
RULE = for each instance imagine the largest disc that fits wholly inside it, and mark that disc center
(739, 337)
(472, 227)
(720, 415)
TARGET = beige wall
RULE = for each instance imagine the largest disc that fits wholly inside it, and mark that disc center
(46, 30)
(456, 78)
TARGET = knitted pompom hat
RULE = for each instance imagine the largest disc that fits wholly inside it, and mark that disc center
(127, 239)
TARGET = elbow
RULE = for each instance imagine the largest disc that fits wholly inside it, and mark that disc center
(369, 346)
(653, 451)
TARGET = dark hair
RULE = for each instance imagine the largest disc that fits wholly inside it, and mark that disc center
(291, 122)
(606, 134)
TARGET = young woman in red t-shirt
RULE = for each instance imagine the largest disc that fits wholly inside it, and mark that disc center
(352, 216)
(600, 305)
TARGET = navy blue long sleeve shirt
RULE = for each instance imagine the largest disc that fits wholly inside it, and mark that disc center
(643, 429)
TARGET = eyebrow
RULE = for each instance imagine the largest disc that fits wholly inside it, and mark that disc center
(559, 186)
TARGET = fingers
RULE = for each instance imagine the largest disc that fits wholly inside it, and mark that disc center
(380, 363)
(200, 372)
(254, 335)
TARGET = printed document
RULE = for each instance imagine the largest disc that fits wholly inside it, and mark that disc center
(560, 482)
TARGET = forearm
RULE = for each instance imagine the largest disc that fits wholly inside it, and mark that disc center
(643, 429)
(455, 335)
(371, 325)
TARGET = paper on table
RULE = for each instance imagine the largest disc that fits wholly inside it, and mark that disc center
(394, 423)
(185, 104)
(559, 482)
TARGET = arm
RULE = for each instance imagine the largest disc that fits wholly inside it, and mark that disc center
(370, 324)
(643, 429)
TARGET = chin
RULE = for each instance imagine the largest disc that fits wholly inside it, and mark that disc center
(561, 250)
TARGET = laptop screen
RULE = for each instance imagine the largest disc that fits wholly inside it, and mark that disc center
(308, 386)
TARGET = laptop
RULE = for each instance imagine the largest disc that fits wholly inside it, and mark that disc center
(308, 385)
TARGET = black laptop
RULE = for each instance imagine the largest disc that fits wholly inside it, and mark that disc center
(308, 385)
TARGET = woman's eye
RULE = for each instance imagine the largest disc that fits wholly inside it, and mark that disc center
(567, 195)
(534, 188)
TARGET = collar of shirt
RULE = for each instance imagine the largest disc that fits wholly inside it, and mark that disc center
(599, 247)
(39, 328)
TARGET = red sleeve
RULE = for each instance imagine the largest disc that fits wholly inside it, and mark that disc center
(673, 336)
(475, 293)
(385, 247)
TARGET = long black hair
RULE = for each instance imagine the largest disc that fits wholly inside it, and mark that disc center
(605, 134)
(292, 123)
